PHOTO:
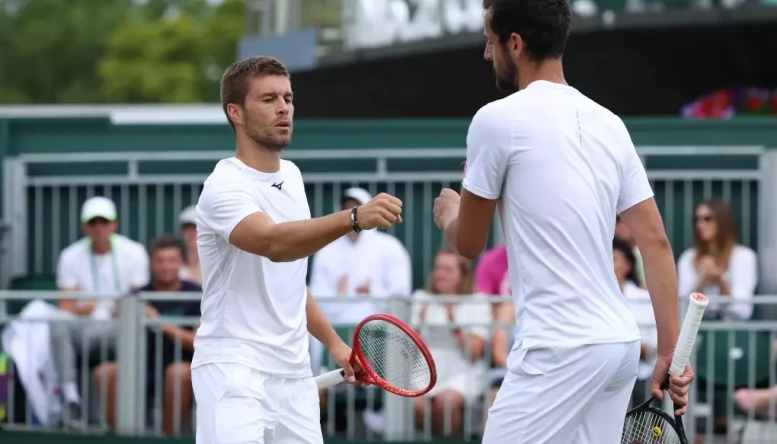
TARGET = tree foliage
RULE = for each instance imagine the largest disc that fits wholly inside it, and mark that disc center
(125, 51)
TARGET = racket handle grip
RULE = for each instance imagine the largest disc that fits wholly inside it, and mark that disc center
(330, 379)
(698, 303)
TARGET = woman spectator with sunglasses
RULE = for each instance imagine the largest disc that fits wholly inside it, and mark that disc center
(718, 265)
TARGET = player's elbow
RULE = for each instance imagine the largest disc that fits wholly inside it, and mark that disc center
(468, 251)
(655, 241)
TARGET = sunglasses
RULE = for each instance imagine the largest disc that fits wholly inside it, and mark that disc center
(98, 221)
(705, 218)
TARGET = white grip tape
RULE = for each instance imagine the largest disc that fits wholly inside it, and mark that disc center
(329, 379)
(688, 331)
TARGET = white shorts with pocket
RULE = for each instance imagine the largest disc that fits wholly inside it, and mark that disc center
(237, 404)
(559, 395)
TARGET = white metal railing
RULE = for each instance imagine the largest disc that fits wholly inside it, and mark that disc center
(745, 346)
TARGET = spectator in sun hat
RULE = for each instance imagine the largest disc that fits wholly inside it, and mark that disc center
(191, 269)
(107, 265)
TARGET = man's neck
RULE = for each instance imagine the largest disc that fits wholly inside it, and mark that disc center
(548, 70)
(101, 247)
(167, 286)
(258, 157)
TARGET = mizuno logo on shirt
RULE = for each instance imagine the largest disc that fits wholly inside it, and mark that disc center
(277, 185)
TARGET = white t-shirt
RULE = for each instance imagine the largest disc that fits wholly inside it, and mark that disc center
(112, 275)
(742, 277)
(561, 166)
(253, 309)
(377, 259)
(642, 309)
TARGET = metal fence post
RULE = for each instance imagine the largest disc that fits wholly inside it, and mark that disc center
(398, 410)
(127, 389)
(767, 235)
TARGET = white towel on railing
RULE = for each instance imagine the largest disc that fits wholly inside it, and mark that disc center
(27, 344)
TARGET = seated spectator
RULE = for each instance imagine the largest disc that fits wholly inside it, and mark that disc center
(718, 265)
(166, 261)
(191, 269)
(762, 402)
(364, 268)
(642, 308)
(623, 234)
(456, 336)
(102, 263)
(491, 276)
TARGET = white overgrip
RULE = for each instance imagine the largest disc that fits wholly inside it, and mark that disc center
(688, 331)
(329, 379)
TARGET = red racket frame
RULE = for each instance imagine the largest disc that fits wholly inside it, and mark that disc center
(372, 377)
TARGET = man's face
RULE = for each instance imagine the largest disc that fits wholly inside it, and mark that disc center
(99, 229)
(268, 112)
(166, 263)
(505, 68)
(189, 234)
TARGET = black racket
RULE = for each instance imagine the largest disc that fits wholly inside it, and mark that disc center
(646, 424)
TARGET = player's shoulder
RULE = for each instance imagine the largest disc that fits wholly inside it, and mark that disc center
(290, 169)
(493, 121)
(226, 176)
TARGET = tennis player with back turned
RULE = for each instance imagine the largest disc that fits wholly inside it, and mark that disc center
(251, 368)
(560, 167)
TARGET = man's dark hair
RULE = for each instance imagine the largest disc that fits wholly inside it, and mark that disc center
(235, 82)
(542, 24)
(165, 242)
(628, 253)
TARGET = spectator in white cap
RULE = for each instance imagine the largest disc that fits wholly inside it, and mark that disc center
(191, 270)
(106, 265)
(369, 264)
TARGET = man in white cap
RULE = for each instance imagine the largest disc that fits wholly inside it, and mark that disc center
(107, 265)
(191, 270)
(369, 264)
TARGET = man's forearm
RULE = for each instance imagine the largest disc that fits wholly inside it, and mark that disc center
(288, 241)
(662, 285)
(318, 325)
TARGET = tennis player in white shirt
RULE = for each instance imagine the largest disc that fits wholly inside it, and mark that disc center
(251, 368)
(559, 167)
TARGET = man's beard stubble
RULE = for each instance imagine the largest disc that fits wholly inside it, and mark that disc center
(264, 138)
(507, 81)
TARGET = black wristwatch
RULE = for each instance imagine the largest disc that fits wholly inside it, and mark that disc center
(355, 220)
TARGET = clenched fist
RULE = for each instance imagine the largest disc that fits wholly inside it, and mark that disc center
(382, 211)
(446, 207)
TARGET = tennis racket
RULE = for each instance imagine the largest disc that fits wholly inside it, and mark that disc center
(393, 356)
(646, 424)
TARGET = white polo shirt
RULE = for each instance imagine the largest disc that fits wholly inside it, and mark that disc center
(561, 166)
(253, 309)
(111, 275)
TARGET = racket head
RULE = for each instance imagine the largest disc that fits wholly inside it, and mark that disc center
(394, 356)
(646, 424)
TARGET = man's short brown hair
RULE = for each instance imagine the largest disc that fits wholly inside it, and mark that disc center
(164, 242)
(235, 81)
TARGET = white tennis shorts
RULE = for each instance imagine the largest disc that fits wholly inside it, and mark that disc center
(237, 404)
(565, 396)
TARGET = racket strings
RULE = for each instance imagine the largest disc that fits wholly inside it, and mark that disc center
(647, 427)
(394, 356)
